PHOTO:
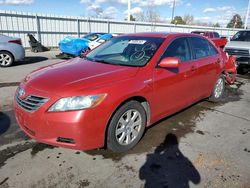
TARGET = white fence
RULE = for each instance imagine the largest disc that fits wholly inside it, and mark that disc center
(50, 29)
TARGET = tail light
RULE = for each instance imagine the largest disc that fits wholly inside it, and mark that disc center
(18, 41)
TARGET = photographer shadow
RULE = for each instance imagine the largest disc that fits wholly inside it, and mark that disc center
(4, 123)
(167, 167)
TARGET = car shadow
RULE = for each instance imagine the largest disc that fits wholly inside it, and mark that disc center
(30, 60)
(168, 167)
(4, 123)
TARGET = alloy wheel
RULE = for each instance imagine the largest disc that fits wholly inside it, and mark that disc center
(128, 127)
(5, 59)
(219, 88)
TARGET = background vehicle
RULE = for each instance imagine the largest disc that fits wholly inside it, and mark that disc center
(35, 45)
(110, 96)
(239, 46)
(11, 50)
(214, 36)
(76, 46)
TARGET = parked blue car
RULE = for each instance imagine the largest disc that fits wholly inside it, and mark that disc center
(76, 46)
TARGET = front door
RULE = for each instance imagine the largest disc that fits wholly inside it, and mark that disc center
(175, 89)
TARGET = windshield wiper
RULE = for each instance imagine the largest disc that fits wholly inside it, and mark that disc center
(102, 61)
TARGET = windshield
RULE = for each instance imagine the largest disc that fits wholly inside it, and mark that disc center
(92, 36)
(126, 50)
(199, 33)
(241, 36)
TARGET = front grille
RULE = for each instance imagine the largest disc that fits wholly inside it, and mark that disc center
(31, 103)
(237, 52)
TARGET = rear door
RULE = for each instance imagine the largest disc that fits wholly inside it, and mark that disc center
(175, 89)
(208, 61)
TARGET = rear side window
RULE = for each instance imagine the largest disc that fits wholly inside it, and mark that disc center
(200, 47)
(178, 48)
(212, 49)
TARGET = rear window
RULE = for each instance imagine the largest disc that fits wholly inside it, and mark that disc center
(216, 35)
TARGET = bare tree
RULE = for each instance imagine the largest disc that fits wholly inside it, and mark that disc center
(97, 12)
(149, 15)
(188, 19)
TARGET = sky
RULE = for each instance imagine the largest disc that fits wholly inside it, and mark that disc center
(213, 11)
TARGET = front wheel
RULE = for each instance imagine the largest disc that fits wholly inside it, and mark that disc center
(126, 127)
(218, 90)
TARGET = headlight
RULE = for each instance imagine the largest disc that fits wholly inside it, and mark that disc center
(77, 103)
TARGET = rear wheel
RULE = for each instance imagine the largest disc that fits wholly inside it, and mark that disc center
(6, 59)
(218, 90)
(126, 127)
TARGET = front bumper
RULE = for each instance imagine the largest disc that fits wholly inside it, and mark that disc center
(74, 129)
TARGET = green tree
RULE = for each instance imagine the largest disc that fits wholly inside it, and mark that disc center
(216, 25)
(178, 20)
(132, 18)
(235, 22)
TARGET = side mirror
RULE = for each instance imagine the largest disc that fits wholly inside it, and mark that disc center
(170, 62)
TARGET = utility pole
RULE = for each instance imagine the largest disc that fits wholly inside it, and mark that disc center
(246, 19)
(129, 7)
(173, 10)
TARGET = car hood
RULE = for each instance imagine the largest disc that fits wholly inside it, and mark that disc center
(238, 45)
(77, 75)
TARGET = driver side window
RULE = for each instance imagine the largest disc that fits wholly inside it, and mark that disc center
(178, 48)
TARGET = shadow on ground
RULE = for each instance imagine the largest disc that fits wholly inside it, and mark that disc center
(4, 122)
(168, 167)
(180, 123)
(31, 60)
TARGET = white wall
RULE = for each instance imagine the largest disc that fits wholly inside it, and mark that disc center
(50, 29)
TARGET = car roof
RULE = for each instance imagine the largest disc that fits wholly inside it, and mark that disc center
(159, 34)
(198, 31)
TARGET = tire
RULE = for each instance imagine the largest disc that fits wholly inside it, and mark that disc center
(84, 52)
(242, 69)
(6, 59)
(218, 90)
(125, 132)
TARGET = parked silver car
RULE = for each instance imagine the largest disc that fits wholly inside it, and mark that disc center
(11, 50)
(239, 46)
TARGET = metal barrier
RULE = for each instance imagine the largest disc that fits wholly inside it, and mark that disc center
(50, 29)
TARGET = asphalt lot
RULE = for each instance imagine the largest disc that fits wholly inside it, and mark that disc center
(205, 145)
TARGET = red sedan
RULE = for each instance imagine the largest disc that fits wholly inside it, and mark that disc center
(110, 96)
